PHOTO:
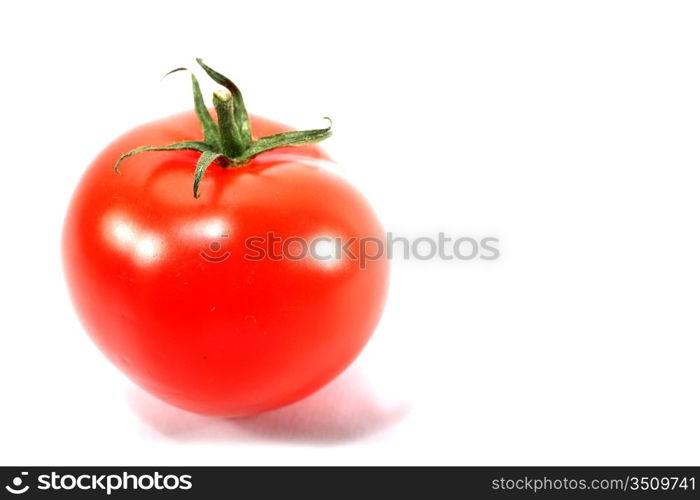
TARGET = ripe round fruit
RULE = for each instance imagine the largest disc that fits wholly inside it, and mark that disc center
(169, 288)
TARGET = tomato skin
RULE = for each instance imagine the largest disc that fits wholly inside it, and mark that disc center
(227, 338)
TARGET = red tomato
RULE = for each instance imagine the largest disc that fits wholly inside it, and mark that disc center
(161, 281)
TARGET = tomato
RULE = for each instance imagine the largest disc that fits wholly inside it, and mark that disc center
(167, 286)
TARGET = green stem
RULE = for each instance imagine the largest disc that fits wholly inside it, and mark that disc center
(229, 143)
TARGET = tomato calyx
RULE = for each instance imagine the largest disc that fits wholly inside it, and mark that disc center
(228, 142)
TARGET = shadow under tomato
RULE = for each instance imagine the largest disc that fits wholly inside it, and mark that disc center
(343, 411)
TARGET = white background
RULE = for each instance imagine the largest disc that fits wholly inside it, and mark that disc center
(569, 130)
